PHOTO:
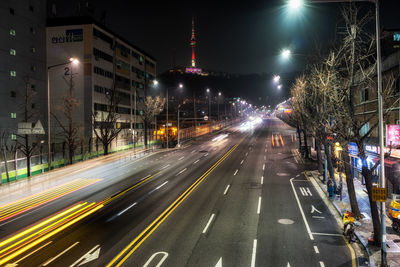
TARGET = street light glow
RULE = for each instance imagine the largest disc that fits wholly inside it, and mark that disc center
(208, 90)
(280, 86)
(277, 78)
(295, 4)
(74, 60)
(155, 82)
(180, 85)
(219, 93)
(286, 53)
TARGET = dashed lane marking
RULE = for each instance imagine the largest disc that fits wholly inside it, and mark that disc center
(236, 172)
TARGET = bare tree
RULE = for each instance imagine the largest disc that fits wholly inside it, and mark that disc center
(27, 143)
(69, 128)
(152, 107)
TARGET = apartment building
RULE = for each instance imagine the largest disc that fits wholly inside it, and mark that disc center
(23, 64)
(106, 60)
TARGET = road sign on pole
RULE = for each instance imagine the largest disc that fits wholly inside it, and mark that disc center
(379, 194)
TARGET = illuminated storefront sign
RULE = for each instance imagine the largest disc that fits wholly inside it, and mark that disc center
(393, 135)
(193, 70)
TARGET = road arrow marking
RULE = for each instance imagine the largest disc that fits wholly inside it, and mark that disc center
(88, 257)
(154, 255)
(314, 209)
(288, 264)
(219, 263)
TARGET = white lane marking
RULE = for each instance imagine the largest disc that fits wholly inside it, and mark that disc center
(301, 211)
(327, 234)
(219, 263)
(27, 255)
(226, 190)
(308, 191)
(60, 254)
(208, 223)
(314, 209)
(259, 205)
(321, 263)
(247, 153)
(305, 191)
(262, 179)
(181, 158)
(166, 166)
(205, 155)
(288, 264)
(265, 150)
(154, 255)
(161, 185)
(196, 161)
(241, 162)
(263, 166)
(236, 172)
(265, 157)
(89, 256)
(193, 151)
(316, 250)
(253, 255)
(297, 175)
(181, 171)
(318, 217)
(123, 211)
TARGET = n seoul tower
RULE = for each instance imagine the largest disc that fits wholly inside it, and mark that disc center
(193, 45)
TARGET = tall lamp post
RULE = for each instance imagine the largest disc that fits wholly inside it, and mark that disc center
(209, 103)
(179, 144)
(219, 95)
(166, 127)
(74, 61)
(295, 4)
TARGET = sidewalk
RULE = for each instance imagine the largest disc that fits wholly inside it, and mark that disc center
(365, 230)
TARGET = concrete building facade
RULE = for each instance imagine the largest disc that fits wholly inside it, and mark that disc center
(23, 64)
(106, 61)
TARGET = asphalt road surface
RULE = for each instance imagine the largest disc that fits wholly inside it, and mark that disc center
(235, 198)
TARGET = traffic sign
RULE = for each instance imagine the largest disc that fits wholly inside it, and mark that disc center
(379, 194)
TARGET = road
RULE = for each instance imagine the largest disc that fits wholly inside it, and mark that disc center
(236, 198)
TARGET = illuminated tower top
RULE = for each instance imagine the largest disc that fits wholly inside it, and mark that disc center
(193, 44)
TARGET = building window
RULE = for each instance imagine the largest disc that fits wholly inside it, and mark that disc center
(364, 95)
(13, 115)
(364, 129)
(13, 94)
(33, 87)
(12, 11)
(13, 52)
(33, 49)
(13, 73)
(33, 68)
(13, 137)
(33, 106)
(103, 55)
(12, 32)
(31, 8)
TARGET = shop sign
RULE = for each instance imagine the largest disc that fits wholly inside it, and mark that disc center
(393, 135)
(371, 149)
(379, 194)
(353, 149)
(72, 35)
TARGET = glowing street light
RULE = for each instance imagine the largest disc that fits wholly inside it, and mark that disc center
(155, 82)
(295, 4)
(277, 78)
(279, 87)
(180, 85)
(74, 60)
(286, 53)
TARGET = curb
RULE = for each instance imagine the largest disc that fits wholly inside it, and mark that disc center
(330, 203)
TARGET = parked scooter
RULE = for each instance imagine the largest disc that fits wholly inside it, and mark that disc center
(394, 212)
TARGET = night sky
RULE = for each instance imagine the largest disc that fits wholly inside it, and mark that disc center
(237, 37)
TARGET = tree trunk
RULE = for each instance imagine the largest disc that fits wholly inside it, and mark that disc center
(319, 156)
(105, 147)
(374, 207)
(28, 165)
(350, 187)
(330, 165)
(305, 144)
(70, 154)
(5, 165)
(145, 133)
(299, 136)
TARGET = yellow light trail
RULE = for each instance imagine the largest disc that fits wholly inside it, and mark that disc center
(280, 136)
(146, 233)
(20, 206)
(50, 234)
(272, 138)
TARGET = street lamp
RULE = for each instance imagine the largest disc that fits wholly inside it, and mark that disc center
(209, 103)
(166, 132)
(179, 145)
(219, 94)
(285, 53)
(74, 61)
(279, 87)
(276, 78)
(294, 5)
